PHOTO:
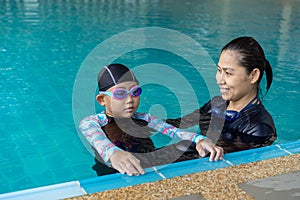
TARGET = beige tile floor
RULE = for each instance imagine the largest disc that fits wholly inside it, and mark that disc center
(214, 184)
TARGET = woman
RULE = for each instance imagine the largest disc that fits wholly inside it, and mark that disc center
(237, 120)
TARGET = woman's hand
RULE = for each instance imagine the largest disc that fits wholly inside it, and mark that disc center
(204, 146)
(126, 163)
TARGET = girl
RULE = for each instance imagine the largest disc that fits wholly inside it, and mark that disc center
(120, 136)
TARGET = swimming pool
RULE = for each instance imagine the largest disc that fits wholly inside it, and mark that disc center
(43, 44)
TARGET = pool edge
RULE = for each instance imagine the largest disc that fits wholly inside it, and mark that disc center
(115, 181)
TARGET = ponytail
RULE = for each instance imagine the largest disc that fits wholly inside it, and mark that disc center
(269, 75)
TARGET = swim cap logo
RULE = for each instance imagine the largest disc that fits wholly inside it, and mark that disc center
(151, 73)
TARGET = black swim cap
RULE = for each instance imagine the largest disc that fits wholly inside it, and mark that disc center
(114, 74)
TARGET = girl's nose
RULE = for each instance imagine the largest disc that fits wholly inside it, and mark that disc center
(129, 99)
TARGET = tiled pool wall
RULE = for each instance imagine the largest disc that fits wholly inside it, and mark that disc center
(115, 181)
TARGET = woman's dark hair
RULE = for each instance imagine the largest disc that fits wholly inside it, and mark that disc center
(251, 56)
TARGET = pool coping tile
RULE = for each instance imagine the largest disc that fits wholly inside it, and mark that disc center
(290, 147)
(56, 191)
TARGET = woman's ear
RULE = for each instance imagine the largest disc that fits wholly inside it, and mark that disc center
(100, 99)
(254, 75)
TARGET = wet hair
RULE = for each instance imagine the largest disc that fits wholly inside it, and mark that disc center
(114, 74)
(251, 56)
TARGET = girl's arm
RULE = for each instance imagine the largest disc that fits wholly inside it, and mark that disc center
(169, 130)
(112, 155)
(91, 129)
(202, 146)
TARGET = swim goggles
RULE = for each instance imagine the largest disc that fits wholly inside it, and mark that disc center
(121, 93)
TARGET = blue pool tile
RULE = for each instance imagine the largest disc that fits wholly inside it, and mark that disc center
(293, 147)
(34, 164)
(22, 183)
(114, 181)
(190, 166)
(254, 155)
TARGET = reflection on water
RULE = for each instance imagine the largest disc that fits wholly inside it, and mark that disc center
(44, 42)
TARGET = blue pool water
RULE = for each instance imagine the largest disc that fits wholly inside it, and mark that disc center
(44, 43)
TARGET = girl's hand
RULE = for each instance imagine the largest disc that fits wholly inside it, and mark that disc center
(126, 163)
(204, 146)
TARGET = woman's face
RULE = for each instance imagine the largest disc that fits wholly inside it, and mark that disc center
(121, 108)
(234, 82)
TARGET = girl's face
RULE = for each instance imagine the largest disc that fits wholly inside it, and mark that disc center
(234, 82)
(124, 108)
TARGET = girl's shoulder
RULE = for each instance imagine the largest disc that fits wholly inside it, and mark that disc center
(101, 118)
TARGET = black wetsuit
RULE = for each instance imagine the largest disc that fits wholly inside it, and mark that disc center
(254, 127)
(133, 135)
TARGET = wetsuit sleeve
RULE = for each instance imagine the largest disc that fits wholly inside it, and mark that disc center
(186, 121)
(258, 136)
(263, 130)
(262, 135)
(171, 131)
(90, 127)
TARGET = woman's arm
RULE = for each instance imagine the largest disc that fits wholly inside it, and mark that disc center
(199, 117)
(186, 121)
(257, 136)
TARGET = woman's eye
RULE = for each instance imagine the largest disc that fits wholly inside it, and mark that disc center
(228, 73)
